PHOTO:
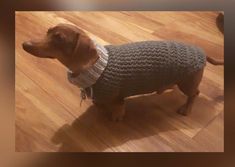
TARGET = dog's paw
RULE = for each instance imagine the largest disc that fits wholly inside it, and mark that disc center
(183, 110)
(118, 115)
(117, 118)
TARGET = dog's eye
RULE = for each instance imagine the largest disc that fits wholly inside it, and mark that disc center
(59, 37)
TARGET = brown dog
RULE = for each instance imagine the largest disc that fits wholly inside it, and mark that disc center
(74, 49)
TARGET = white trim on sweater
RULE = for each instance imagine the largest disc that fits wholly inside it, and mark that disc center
(89, 77)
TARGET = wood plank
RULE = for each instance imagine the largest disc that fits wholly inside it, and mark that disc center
(197, 28)
(212, 49)
(127, 32)
(209, 137)
(39, 118)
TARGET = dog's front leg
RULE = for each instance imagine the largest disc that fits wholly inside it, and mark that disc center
(118, 110)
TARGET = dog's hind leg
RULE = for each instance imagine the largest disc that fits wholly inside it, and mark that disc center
(187, 107)
(189, 87)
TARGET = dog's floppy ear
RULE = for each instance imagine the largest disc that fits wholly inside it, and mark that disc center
(85, 52)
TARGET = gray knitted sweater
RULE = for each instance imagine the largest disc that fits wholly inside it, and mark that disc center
(138, 68)
(144, 67)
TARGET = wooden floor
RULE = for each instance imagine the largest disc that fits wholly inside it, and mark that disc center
(48, 114)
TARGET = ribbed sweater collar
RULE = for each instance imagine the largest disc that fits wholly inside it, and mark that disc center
(89, 77)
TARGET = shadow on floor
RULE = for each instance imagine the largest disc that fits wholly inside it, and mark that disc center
(145, 116)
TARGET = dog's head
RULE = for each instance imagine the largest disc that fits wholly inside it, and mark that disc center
(67, 43)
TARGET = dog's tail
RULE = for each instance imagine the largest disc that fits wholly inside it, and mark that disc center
(214, 61)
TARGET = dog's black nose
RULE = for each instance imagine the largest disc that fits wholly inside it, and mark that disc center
(27, 45)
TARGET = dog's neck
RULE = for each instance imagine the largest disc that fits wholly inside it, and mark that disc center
(77, 68)
(87, 78)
